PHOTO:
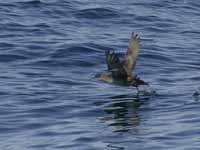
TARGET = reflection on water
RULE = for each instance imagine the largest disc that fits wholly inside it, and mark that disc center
(122, 113)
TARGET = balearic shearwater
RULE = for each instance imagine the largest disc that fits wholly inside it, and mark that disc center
(120, 71)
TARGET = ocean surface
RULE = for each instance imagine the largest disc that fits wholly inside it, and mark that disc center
(50, 51)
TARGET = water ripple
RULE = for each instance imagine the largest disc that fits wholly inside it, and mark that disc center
(51, 51)
(97, 13)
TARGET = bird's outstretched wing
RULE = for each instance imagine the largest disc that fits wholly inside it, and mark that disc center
(132, 54)
(115, 66)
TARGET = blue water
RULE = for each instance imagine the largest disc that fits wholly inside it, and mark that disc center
(50, 52)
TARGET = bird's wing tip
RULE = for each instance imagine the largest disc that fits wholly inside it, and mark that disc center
(135, 36)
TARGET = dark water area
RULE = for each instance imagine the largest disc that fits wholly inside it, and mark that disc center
(50, 52)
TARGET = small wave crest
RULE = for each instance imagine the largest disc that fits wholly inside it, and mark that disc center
(96, 13)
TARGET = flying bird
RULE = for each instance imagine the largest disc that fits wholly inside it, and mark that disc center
(121, 70)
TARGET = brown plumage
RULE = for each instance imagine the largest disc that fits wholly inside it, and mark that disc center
(120, 71)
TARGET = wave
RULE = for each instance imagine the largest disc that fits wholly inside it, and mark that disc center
(96, 13)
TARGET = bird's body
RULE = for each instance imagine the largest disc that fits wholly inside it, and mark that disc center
(108, 78)
(120, 71)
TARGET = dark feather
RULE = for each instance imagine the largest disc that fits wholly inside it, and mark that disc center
(115, 66)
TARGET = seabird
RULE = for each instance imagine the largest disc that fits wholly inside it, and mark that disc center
(121, 70)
